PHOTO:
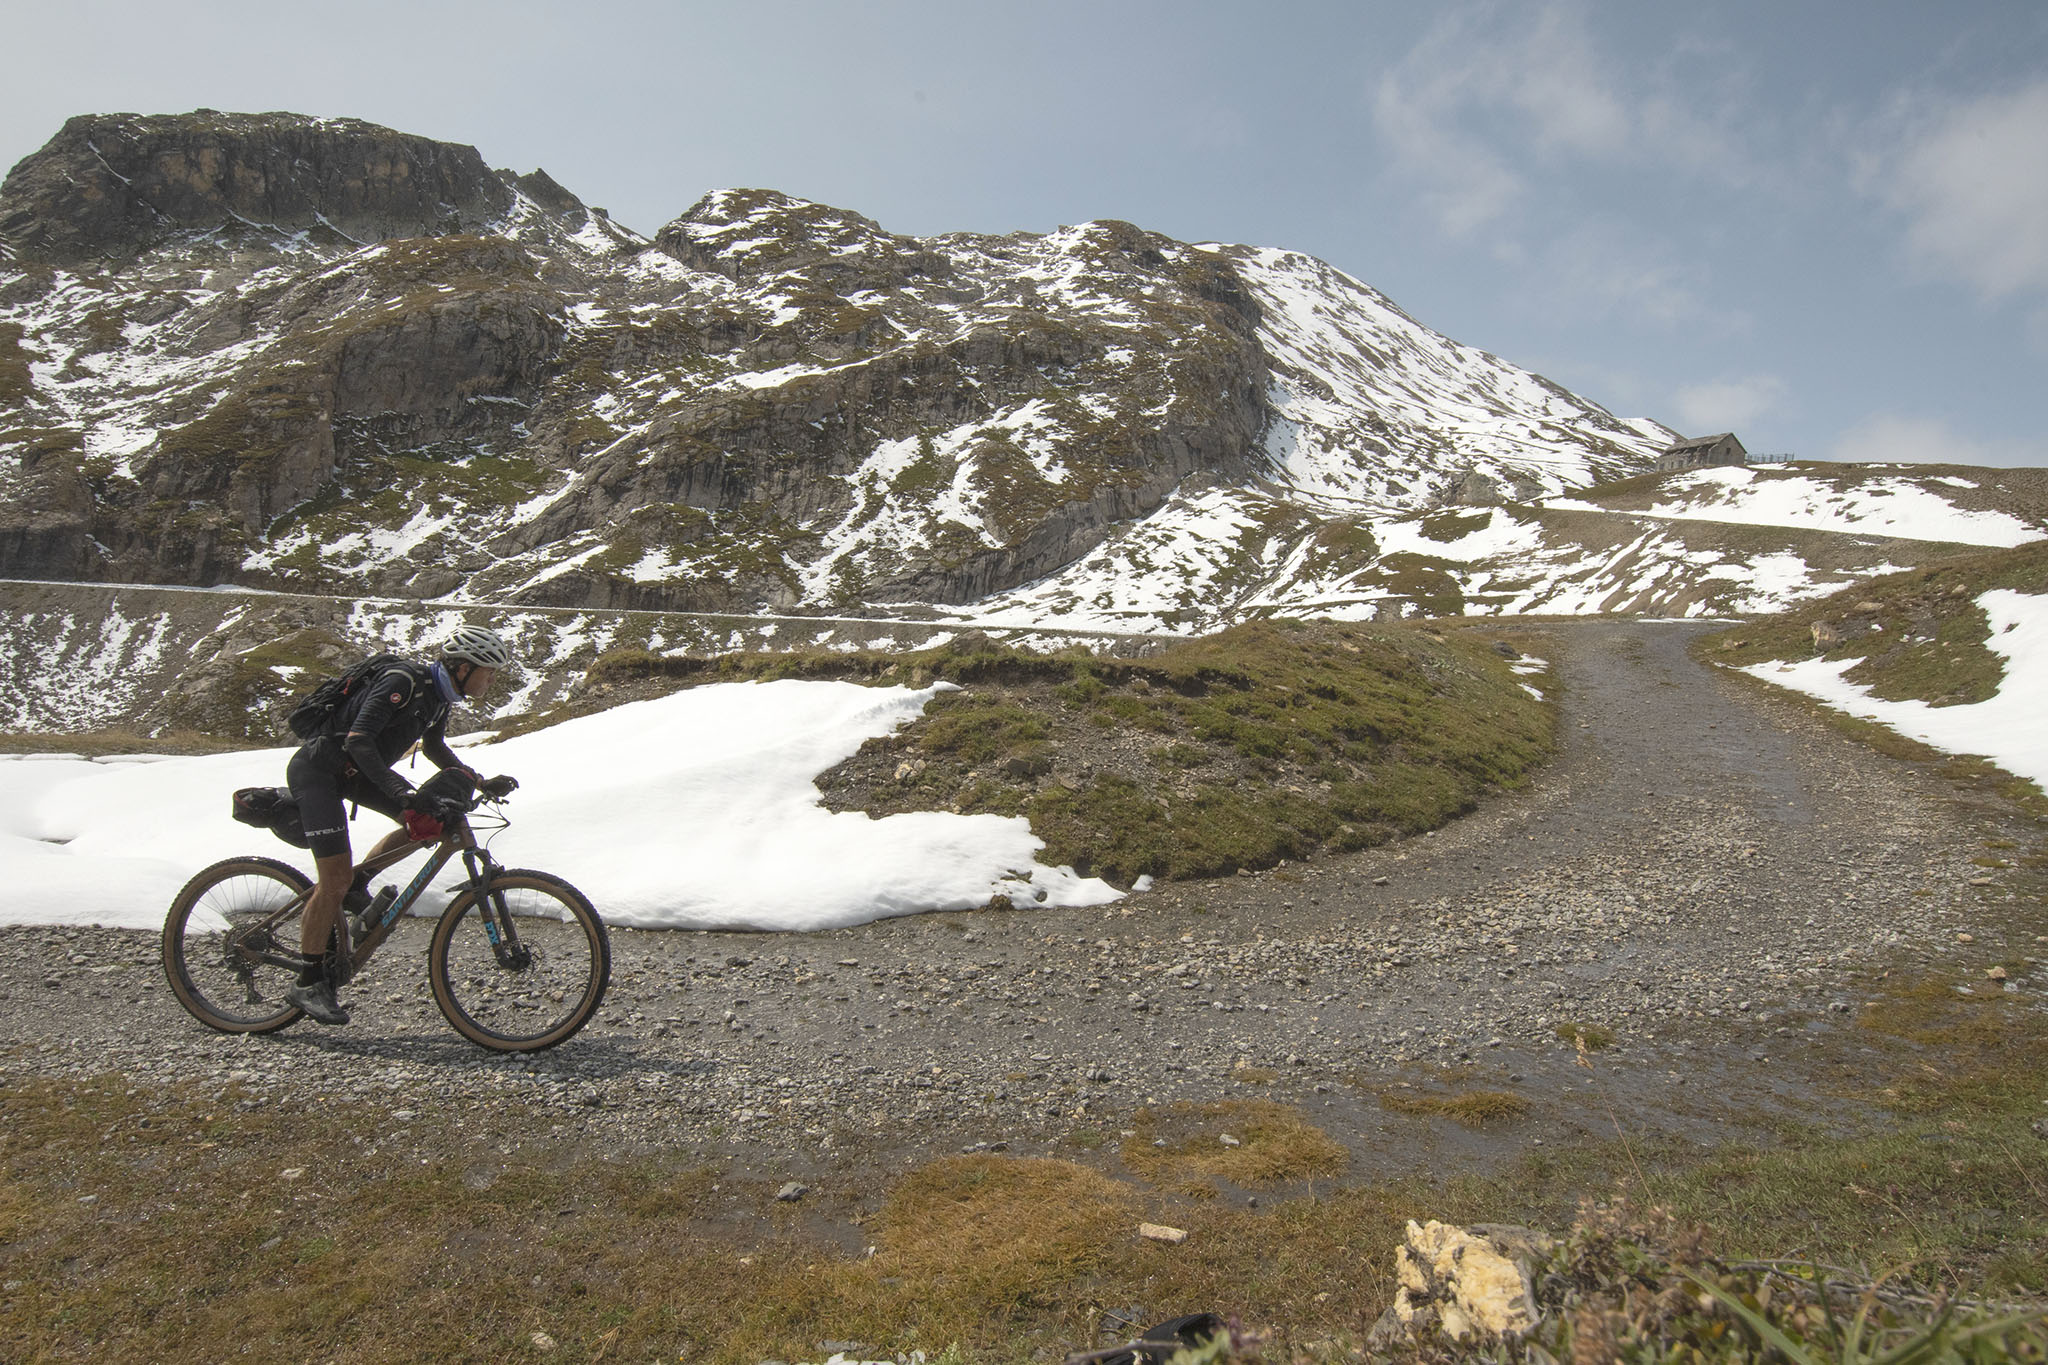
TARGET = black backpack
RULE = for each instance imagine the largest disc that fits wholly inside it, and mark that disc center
(315, 712)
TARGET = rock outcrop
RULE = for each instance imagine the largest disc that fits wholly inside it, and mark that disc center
(114, 185)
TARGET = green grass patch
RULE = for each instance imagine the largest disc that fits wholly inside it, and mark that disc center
(1472, 1108)
(1430, 583)
(1448, 526)
(1916, 635)
(1266, 742)
(926, 474)
(17, 383)
(1255, 1144)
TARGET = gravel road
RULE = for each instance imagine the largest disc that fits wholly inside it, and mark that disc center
(1708, 872)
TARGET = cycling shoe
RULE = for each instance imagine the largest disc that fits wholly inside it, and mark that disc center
(318, 1002)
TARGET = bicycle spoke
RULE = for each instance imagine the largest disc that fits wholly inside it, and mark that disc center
(230, 943)
(540, 982)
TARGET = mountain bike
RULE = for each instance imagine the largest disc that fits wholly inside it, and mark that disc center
(518, 959)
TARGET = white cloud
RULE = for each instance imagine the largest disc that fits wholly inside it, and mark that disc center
(1468, 186)
(1726, 404)
(1467, 72)
(1601, 270)
(1552, 77)
(1972, 180)
(1888, 438)
(1495, 90)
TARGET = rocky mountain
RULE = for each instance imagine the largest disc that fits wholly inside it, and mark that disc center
(333, 372)
(322, 356)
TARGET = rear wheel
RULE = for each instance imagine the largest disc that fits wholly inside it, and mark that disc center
(231, 944)
(539, 982)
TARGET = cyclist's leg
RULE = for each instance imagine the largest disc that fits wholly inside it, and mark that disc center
(335, 872)
(367, 796)
(390, 841)
(318, 792)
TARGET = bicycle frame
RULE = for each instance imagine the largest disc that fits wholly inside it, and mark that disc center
(482, 868)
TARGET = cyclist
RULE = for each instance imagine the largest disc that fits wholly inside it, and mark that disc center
(407, 704)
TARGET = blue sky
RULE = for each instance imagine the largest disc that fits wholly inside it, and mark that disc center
(1824, 225)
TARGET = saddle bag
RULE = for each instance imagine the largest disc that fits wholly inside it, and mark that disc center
(274, 809)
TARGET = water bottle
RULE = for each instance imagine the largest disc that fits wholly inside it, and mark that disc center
(374, 915)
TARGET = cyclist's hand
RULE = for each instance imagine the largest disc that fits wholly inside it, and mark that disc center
(499, 787)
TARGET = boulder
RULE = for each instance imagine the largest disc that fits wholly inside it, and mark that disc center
(1469, 1284)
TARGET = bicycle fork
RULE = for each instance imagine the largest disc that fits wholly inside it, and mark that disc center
(512, 955)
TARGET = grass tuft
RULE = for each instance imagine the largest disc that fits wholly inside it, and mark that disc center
(1273, 1144)
(1585, 1037)
(1472, 1108)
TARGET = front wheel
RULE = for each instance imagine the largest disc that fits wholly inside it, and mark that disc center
(522, 967)
(231, 944)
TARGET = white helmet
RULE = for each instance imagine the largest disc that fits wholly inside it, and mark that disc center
(474, 644)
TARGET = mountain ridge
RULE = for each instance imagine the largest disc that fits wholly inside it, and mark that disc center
(771, 404)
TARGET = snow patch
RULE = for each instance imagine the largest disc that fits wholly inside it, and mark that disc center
(2010, 727)
(697, 811)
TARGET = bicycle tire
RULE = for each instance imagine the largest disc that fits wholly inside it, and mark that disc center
(210, 957)
(528, 1007)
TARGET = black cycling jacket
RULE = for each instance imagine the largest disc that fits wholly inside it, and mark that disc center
(398, 709)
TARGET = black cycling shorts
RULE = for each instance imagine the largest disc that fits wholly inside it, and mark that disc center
(320, 792)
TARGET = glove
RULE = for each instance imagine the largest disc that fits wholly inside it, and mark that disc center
(420, 824)
(499, 787)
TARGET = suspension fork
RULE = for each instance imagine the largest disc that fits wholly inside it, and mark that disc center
(503, 934)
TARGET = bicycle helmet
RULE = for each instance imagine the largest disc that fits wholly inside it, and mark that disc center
(476, 645)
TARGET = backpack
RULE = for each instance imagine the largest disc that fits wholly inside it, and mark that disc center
(315, 712)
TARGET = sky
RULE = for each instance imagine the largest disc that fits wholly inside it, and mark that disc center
(1821, 225)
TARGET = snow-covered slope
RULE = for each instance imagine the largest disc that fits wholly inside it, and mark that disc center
(1708, 542)
(2010, 727)
(1374, 410)
(1927, 504)
(716, 780)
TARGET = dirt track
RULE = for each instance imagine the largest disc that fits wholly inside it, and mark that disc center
(1708, 872)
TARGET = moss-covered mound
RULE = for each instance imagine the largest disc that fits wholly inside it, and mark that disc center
(1920, 634)
(1265, 742)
